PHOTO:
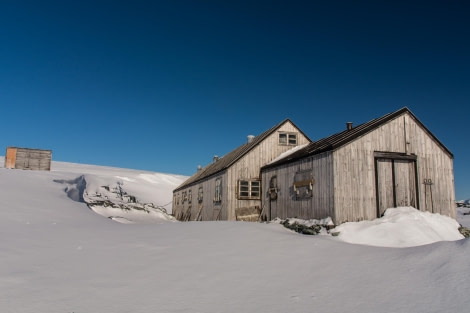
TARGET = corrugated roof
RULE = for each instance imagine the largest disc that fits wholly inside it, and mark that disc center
(226, 161)
(340, 139)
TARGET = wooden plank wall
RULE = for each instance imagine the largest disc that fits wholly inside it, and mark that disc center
(30, 159)
(354, 169)
(319, 206)
(208, 204)
(249, 166)
(345, 179)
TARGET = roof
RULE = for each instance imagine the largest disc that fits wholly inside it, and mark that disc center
(229, 159)
(35, 149)
(344, 137)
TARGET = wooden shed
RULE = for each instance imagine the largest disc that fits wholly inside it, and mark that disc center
(28, 159)
(358, 173)
(230, 187)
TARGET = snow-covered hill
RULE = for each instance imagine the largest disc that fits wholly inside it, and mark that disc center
(57, 255)
(125, 195)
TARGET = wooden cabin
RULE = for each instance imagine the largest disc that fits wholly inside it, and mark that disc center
(358, 173)
(230, 187)
(28, 159)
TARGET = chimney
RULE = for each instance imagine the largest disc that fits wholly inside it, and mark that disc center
(349, 125)
(216, 158)
(199, 167)
(250, 138)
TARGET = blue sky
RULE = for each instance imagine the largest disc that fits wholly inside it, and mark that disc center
(165, 85)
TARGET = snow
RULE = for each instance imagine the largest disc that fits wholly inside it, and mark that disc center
(401, 227)
(288, 152)
(57, 255)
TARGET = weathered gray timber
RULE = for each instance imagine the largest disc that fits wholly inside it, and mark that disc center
(28, 159)
(233, 181)
(358, 173)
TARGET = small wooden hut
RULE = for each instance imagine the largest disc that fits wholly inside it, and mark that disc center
(28, 159)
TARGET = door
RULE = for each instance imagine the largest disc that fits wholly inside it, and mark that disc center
(384, 171)
(395, 183)
(10, 158)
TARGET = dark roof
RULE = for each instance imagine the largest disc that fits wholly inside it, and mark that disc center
(340, 139)
(227, 160)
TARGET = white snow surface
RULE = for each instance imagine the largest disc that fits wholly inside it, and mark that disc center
(57, 255)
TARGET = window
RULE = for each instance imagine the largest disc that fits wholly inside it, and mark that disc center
(218, 190)
(288, 139)
(249, 189)
(190, 196)
(199, 195)
(184, 197)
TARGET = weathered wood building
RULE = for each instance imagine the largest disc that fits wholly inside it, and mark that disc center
(230, 187)
(28, 159)
(358, 173)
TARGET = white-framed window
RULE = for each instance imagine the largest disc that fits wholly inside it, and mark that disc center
(289, 139)
(249, 189)
(199, 194)
(218, 190)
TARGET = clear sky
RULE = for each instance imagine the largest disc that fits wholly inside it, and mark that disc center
(165, 85)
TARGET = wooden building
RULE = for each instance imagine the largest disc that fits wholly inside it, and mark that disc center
(358, 173)
(230, 187)
(28, 159)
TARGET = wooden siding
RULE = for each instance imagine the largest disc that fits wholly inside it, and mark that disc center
(318, 206)
(355, 197)
(207, 208)
(30, 159)
(248, 167)
(347, 177)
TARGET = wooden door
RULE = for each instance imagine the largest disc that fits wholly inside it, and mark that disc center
(10, 159)
(405, 183)
(395, 183)
(384, 185)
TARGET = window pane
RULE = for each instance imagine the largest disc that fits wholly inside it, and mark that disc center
(283, 139)
(255, 188)
(243, 186)
(292, 139)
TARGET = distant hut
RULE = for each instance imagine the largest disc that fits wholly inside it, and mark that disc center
(28, 159)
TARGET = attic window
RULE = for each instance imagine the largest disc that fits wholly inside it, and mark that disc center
(289, 139)
(249, 189)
